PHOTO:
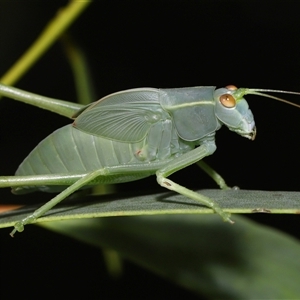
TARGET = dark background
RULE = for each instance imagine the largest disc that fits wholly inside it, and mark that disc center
(150, 44)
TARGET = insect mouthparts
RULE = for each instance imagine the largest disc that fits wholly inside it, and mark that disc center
(253, 134)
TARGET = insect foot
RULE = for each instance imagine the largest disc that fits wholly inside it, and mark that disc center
(19, 226)
(235, 188)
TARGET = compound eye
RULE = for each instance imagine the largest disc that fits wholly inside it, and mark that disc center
(227, 100)
(231, 87)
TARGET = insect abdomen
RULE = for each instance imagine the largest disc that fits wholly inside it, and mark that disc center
(71, 151)
(68, 150)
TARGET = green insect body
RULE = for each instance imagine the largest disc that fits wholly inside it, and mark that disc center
(133, 127)
(84, 153)
(130, 135)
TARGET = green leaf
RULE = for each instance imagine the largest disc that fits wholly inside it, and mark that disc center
(201, 253)
(234, 201)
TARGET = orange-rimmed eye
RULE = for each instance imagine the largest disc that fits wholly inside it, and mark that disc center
(227, 100)
(231, 87)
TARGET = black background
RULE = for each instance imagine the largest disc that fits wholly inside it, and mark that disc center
(150, 44)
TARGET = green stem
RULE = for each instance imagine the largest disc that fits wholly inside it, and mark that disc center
(56, 27)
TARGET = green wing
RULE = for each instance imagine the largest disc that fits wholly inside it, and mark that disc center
(124, 116)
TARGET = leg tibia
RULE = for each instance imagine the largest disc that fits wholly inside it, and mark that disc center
(169, 184)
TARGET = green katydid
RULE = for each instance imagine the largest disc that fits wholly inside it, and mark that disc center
(130, 135)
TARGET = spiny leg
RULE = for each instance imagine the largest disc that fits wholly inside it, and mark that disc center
(183, 161)
(61, 107)
(19, 226)
(77, 181)
(171, 185)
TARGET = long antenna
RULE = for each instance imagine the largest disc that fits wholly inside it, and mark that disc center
(257, 92)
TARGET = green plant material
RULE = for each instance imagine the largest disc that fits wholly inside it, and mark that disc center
(201, 253)
(113, 262)
(64, 18)
(81, 73)
(233, 201)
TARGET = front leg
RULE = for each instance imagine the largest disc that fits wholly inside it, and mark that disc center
(207, 148)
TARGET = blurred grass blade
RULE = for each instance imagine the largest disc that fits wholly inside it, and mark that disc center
(64, 18)
(81, 72)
